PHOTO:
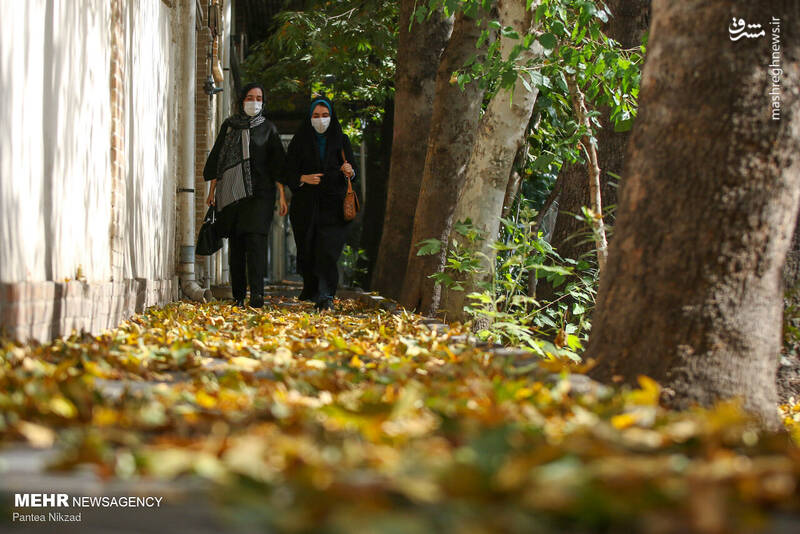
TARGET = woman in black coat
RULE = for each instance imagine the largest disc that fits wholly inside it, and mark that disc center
(244, 167)
(317, 174)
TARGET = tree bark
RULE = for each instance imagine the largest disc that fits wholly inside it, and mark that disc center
(418, 56)
(453, 125)
(514, 182)
(500, 134)
(379, 150)
(692, 291)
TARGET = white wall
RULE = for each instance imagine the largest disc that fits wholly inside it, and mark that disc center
(152, 75)
(55, 128)
(54, 139)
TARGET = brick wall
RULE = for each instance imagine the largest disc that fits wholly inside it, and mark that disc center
(204, 135)
(45, 310)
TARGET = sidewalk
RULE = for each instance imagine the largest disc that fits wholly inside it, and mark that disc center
(366, 419)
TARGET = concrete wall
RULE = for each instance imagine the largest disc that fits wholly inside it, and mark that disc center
(88, 155)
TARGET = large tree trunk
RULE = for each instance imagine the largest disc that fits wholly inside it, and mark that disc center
(571, 237)
(500, 134)
(379, 149)
(453, 125)
(418, 56)
(692, 291)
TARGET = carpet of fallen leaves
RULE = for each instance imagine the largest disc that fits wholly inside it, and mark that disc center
(367, 421)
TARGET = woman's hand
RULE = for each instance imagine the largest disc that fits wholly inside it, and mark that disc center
(347, 169)
(210, 200)
(311, 179)
(283, 207)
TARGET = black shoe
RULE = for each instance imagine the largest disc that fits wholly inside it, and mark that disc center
(325, 303)
(239, 303)
(306, 295)
(256, 303)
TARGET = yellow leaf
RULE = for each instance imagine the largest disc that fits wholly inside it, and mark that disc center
(523, 393)
(205, 400)
(355, 362)
(102, 416)
(63, 407)
(93, 369)
(623, 421)
(649, 393)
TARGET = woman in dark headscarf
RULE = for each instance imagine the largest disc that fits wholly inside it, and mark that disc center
(317, 173)
(244, 167)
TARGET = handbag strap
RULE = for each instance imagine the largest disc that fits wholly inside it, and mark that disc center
(349, 181)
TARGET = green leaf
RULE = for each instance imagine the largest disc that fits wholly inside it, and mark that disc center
(623, 126)
(548, 41)
(428, 247)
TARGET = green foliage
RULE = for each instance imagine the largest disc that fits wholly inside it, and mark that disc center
(503, 308)
(573, 44)
(352, 43)
(791, 321)
(429, 247)
(352, 261)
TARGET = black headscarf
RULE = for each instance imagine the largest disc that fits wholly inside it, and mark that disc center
(243, 94)
(333, 134)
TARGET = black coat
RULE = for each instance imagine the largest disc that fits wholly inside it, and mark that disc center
(322, 203)
(252, 215)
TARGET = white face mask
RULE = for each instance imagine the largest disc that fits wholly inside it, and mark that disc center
(252, 108)
(321, 124)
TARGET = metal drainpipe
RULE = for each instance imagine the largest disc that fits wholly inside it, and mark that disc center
(189, 285)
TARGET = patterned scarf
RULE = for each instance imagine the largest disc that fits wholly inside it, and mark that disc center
(235, 180)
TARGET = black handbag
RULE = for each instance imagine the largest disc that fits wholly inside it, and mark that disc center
(208, 240)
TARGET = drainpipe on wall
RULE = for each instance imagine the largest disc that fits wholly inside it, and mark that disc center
(186, 192)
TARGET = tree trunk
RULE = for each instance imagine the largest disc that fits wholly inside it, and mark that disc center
(692, 291)
(500, 134)
(418, 56)
(379, 150)
(453, 125)
(515, 181)
(593, 168)
(629, 21)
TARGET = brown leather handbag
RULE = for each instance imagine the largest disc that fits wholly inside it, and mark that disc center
(351, 205)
